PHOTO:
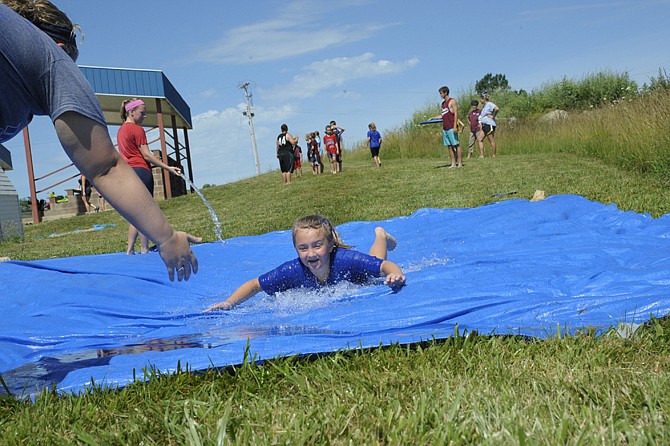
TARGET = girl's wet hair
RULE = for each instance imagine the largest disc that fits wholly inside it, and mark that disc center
(321, 224)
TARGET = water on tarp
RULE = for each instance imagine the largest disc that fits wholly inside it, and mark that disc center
(212, 213)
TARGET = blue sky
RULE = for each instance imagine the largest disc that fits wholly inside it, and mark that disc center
(353, 61)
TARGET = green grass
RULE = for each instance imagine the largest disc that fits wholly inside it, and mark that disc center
(479, 389)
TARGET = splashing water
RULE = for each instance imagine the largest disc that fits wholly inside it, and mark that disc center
(215, 218)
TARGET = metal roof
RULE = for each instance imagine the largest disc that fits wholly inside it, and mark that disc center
(113, 85)
(5, 158)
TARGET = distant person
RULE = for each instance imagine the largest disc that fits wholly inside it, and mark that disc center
(86, 189)
(313, 154)
(449, 115)
(323, 259)
(330, 141)
(337, 131)
(375, 143)
(133, 147)
(475, 129)
(42, 79)
(285, 144)
(487, 119)
(297, 158)
(317, 138)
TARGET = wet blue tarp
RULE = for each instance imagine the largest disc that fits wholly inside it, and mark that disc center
(512, 267)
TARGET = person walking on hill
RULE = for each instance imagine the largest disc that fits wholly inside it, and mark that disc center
(487, 119)
(449, 115)
(285, 144)
(375, 142)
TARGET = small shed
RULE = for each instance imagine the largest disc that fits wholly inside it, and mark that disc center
(11, 224)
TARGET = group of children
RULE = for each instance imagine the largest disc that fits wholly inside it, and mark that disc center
(332, 141)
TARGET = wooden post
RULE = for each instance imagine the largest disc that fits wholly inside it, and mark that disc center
(37, 218)
(161, 129)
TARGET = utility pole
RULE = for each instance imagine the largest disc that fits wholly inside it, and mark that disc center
(245, 86)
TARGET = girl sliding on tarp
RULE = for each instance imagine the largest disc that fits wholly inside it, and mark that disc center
(323, 259)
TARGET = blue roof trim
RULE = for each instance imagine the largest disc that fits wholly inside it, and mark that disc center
(136, 82)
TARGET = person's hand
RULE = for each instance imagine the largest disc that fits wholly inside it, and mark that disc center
(395, 281)
(175, 170)
(220, 306)
(177, 255)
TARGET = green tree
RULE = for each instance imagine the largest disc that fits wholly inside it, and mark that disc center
(490, 83)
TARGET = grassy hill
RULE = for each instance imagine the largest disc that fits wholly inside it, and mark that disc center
(468, 389)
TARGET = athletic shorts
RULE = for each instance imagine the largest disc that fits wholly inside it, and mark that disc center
(285, 161)
(450, 138)
(146, 177)
(374, 151)
(297, 164)
(488, 129)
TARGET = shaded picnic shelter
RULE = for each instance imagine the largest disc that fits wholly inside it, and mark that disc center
(167, 113)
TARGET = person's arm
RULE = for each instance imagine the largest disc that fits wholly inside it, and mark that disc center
(88, 145)
(291, 139)
(246, 291)
(460, 125)
(394, 275)
(151, 158)
(454, 109)
(495, 112)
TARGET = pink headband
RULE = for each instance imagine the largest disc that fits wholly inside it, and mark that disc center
(132, 104)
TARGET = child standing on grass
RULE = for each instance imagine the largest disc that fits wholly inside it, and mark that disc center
(330, 141)
(323, 259)
(375, 142)
(297, 159)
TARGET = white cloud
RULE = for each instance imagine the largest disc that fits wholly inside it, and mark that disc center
(329, 73)
(221, 147)
(284, 36)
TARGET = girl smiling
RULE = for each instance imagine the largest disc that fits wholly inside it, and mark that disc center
(323, 259)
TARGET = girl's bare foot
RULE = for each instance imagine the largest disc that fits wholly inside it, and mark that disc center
(391, 242)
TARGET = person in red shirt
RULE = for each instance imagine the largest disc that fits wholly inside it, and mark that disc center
(330, 141)
(134, 149)
(449, 115)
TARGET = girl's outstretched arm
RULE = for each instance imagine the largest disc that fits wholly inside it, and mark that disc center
(394, 275)
(246, 291)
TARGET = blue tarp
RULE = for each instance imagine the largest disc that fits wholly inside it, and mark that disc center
(512, 267)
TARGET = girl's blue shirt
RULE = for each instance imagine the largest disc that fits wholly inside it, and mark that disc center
(345, 264)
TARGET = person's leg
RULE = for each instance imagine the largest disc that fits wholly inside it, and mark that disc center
(144, 244)
(459, 156)
(471, 144)
(452, 155)
(132, 238)
(383, 243)
(480, 142)
(492, 140)
(87, 205)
